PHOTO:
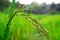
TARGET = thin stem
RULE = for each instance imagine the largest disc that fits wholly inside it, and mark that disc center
(7, 26)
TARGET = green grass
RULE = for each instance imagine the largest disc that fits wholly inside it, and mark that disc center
(3, 21)
(52, 23)
(22, 29)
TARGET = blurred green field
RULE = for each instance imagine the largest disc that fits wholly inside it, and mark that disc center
(22, 28)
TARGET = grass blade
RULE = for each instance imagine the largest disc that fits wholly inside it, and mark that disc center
(7, 31)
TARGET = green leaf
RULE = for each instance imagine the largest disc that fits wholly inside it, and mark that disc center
(7, 31)
(11, 8)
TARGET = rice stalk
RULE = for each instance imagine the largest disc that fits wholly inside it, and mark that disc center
(42, 30)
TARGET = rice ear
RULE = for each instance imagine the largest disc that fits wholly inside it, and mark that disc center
(42, 30)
